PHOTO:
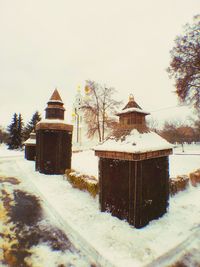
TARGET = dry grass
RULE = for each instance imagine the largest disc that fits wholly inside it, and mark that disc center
(83, 182)
(190, 259)
(195, 177)
(11, 180)
(178, 184)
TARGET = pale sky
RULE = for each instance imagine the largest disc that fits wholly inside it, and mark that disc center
(61, 43)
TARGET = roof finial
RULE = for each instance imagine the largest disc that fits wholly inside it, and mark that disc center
(131, 98)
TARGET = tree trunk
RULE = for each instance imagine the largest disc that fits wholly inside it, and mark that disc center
(98, 116)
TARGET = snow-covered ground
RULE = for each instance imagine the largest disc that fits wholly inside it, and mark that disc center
(179, 163)
(186, 149)
(117, 241)
(4, 152)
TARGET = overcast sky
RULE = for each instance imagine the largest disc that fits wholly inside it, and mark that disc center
(61, 43)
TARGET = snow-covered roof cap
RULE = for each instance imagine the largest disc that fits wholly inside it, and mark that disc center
(33, 135)
(130, 110)
(56, 124)
(52, 121)
(131, 107)
(31, 140)
(55, 101)
(135, 142)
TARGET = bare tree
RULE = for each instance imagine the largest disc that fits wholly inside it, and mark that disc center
(99, 107)
(3, 135)
(185, 64)
(195, 121)
(177, 131)
(153, 124)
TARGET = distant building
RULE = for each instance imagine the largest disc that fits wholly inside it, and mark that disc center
(30, 147)
(53, 139)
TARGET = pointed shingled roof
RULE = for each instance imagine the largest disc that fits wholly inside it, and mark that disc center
(131, 103)
(56, 96)
(131, 107)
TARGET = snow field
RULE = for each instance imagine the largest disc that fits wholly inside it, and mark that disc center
(116, 240)
(87, 163)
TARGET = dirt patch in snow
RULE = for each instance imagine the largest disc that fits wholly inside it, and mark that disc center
(11, 180)
(27, 209)
(190, 259)
(24, 227)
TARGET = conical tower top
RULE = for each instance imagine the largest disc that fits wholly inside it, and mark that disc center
(56, 96)
(55, 109)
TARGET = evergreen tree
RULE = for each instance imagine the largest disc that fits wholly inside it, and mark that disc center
(20, 131)
(15, 130)
(31, 125)
(13, 133)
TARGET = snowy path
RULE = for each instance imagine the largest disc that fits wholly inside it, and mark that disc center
(76, 239)
(115, 240)
(188, 250)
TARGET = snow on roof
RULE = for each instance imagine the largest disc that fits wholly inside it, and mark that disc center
(129, 110)
(30, 141)
(55, 101)
(135, 142)
(54, 121)
(54, 124)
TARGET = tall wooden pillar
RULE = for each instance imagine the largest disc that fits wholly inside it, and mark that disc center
(53, 139)
(133, 170)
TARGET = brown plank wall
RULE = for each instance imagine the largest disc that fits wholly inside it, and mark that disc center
(30, 152)
(136, 191)
(53, 152)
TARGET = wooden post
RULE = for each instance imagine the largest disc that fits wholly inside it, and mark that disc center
(134, 184)
(54, 139)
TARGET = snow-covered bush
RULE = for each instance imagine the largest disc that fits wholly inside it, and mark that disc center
(83, 182)
(178, 184)
(195, 177)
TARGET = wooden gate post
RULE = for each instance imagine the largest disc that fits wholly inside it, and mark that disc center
(133, 169)
(53, 139)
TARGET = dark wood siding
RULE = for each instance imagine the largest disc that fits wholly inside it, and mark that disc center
(136, 191)
(115, 186)
(53, 153)
(54, 113)
(155, 192)
(30, 152)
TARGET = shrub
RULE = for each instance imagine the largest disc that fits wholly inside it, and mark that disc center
(195, 177)
(178, 184)
(83, 182)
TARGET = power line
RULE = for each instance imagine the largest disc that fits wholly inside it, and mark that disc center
(168, 108)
